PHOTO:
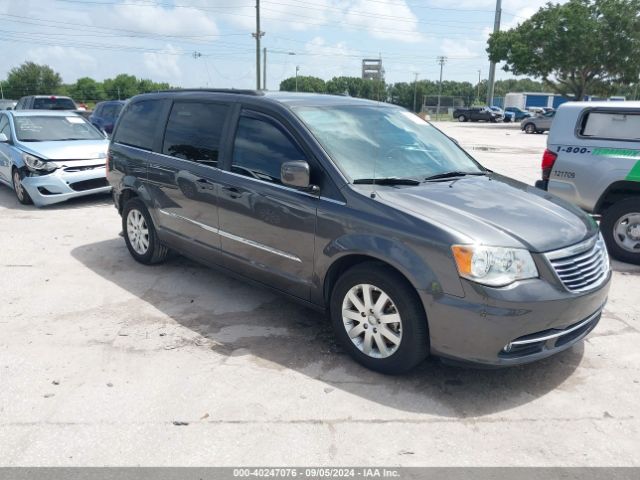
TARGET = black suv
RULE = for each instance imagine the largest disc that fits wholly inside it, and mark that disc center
(477, 114)
(364, 210)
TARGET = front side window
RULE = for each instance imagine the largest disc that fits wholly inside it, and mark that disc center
(139, 124)
(194, 131)
(4, 127)
(54, 129)
(110, 111)
(261, 148)
(384, 142)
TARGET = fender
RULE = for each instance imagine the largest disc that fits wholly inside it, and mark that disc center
(398, 255)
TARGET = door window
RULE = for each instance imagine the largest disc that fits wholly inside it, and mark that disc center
(4, 126)
(194, 131)
(139, 124)
(261, 148)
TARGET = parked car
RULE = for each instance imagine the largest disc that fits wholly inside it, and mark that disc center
(105, 114)
(476, 114)
(507, 116)
(46, 102)
(538, 124)
(48, 157)
(519, 113)
(593, 160)
(365, 211)
(6, 104)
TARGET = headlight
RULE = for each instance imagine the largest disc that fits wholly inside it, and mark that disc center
(493, 266)
(36, 164)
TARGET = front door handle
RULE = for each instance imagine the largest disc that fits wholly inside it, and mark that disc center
(232, 192)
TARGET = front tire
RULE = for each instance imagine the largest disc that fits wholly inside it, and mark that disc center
(621, 230)
(21, 194)
(140, 234)
(462, 118)
(530, 128)
(378, 319)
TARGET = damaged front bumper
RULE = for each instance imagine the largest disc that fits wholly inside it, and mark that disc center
(76, 178)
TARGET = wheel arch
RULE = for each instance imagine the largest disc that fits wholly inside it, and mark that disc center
(615, 192)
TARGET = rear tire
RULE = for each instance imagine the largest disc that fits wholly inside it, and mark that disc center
(21, 194)
(140, 234)
(393, 327)
(620, 228)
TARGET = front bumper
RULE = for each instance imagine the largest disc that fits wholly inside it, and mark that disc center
(522, 323)
(61, 185)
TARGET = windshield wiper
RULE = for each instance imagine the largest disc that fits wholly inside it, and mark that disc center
(386, 181)
(452, 174)
(30, 140)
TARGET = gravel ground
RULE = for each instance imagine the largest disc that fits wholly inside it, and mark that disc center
(106, 362)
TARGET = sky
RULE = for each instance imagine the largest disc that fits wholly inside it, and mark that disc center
(209, 43)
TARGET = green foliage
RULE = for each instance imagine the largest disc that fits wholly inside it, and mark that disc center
(577, 48)
(86, 89)
(304, 84)
(31, 79)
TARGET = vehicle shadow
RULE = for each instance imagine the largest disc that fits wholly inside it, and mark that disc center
(281, 334)
(8, 200)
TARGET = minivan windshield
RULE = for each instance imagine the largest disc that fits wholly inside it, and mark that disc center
(51, 129)
(371, 142)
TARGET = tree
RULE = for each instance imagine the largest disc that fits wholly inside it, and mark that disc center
(121, 87)
(31, 79)
(305, 84)
(577, 48)
(86, 89)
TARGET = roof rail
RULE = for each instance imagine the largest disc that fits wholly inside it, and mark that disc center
(216, 90)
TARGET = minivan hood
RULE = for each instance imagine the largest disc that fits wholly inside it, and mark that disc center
(494, 210)
(67, 150)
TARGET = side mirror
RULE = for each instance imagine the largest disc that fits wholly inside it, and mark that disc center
(3, 138)
(295, 174)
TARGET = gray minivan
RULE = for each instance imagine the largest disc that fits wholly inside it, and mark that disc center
(365, 211)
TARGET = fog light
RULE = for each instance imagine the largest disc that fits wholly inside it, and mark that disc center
(507, 348)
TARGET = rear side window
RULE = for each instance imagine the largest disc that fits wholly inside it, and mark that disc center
(261, 148)
(611, 125)
(110, 111)
(194, 131)
(53, 103)
(139, 124)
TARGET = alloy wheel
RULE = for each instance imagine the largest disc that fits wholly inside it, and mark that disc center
(138, 231)
(372, 321)
(17, 185)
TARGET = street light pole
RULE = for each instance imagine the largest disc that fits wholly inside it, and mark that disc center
(264, 69)
(297, 68)
(492, 66)
(415, 91)
(441, 60)
(479, 82)
(257, 35)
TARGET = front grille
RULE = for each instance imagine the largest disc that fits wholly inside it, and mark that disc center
(89, 184)
(83, 168)
(581, 267)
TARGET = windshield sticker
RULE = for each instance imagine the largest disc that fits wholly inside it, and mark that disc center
(26, 125)
(414, 118)
(74, 119)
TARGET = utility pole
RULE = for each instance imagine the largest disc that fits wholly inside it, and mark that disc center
(257, 35)
(297, 68)
(1, 91)
(415, 91)
(479, 82)
(264, 68)
(492, 66)
(441, 60)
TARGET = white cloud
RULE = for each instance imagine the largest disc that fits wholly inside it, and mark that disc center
(165, 65)
(386, 19)
(63, 59)
(141, 16)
